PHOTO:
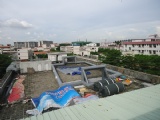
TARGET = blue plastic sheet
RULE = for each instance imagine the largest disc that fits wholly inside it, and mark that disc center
(72, 70)
(56, 98)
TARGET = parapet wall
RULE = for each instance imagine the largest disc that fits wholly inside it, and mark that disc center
(35, 65)
(155, 79)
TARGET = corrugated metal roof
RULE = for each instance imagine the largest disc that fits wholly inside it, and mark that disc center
(142, 104)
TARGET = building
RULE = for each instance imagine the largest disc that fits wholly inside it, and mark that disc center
(86, 50)
(45, 44)
(20, 45)
(150, 46)
(56, 56)
(1, 51)
(6, 49)
(77, 49)
(92, 44)
(24, 54)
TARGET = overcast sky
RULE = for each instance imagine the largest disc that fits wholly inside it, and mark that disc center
(72, 20)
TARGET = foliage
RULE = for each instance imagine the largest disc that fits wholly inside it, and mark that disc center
(110, 56)
(58, 48)
(52, 50)
(145, 63)
(94, 53)
(42, 56)
(128, 61)
(70, 54)
(5, 61)
(62, 44)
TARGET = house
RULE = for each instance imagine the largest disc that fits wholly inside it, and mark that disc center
(24, 53)
(150, 46)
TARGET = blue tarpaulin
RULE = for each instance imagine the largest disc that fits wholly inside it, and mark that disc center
(72, 70)
(56, 98)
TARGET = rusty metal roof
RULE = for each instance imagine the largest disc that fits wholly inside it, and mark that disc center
(142, 104)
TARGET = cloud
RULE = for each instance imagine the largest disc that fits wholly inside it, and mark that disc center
(158, 30)
(133, 30)
(15, 23)
(28, 33)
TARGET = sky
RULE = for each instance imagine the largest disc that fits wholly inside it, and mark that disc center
(73, 20)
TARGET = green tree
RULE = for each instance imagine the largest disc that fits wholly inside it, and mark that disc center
(113, 56)
(128, 61)
(5, 61)
(52, 50)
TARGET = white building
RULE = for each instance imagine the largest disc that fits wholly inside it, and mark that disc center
(70, 49)
(91, 44)
(24, 53)
(45, 44)
(81, 50)
(86, 50)
(149, 46)
(0, 50)
(56, 56)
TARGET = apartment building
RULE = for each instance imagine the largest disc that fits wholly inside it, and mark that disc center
(86, 50)
(150, 46)
(24, 53)
(70, 49)
(80, 50)
(20, 45)
(6, 49)
(45, 44)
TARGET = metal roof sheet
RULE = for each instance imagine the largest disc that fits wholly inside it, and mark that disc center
(142, 104)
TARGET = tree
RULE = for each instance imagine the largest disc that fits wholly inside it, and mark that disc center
(5, 61)
(113, 56)
(128, 61)
(52, 50)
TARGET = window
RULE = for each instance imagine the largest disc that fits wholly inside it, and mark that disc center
(150, 52)
(132, 45)
(129, 48)
(150, 46)
(154, 52)
(154, 45)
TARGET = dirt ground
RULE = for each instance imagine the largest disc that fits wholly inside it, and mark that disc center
(39, 82)
(34, 85)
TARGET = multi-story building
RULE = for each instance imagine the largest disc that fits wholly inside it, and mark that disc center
(6, 49)
(46, 44)
(80, 50)
(20, 45)
(86, 50)
(24, 54)
(150, 46)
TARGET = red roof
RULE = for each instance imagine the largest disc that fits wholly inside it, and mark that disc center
(4, 46)
(37, 53)
(144, 42)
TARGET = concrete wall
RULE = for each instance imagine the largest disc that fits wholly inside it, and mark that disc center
(36, 65)
(138, 75)
(155, 79)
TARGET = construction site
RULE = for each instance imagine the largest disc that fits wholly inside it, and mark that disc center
(37, 82)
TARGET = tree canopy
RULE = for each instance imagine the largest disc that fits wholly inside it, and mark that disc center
(145, 63)
(5, 61)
